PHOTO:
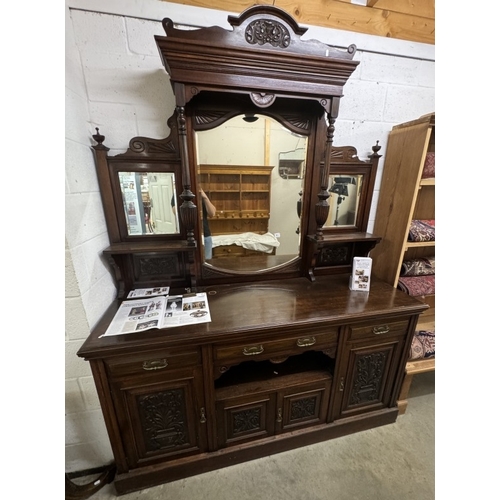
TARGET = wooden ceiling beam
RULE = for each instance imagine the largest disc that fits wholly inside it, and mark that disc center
(400, 19)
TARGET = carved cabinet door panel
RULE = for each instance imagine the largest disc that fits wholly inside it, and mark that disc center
(367, 377)
(244, 418)
(161, 416)
(303, 406)
(248, 411)
(369, 364)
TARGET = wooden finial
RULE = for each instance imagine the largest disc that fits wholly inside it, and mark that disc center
(98, 137)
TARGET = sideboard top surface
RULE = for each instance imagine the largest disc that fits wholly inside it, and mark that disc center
(244, 311)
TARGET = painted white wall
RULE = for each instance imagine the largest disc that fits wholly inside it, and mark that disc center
(115, 81)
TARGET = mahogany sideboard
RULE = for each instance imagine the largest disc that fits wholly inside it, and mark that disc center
(281, 365)
(291, 356)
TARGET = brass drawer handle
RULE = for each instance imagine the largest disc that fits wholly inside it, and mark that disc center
(379, 330)
(280, 415)
(253, 350)
(306, 341)
(155, 364)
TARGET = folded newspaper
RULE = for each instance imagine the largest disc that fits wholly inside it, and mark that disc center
(159, 312)
(148, 292)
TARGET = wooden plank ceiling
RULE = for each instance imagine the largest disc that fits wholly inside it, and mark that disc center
(412, 20)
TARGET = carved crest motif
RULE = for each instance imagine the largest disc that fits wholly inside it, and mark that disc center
(262, 31)
(262, 99)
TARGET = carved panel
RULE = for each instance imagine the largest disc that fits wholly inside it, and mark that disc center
(149, 146)
(246, 420)
(368, 378)
(146, 147)
(299, 122)
(163, 420)
(262, 31)
(242, 419)
(334, 256)
(166, 265)
(344, 153)
(205, 117)
(303, 408)
(262, 99)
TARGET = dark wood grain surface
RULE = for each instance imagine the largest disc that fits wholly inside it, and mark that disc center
(249, 309)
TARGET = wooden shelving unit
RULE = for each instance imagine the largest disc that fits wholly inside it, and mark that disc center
(406, 196)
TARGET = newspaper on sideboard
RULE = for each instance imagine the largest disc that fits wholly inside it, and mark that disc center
(159, 312)
(148, 292)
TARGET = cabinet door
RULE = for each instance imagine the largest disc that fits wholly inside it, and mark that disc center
(367, 382)
(262, 409)
(244, 418)
(303, 406)
(368, 367)
(161, 416)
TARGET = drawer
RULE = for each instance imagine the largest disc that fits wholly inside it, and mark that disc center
(265, 349)
(152, 361)
(378, 330)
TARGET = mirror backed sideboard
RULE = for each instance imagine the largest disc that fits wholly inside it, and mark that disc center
(291, 355)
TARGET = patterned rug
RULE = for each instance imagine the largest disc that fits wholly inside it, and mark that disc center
(422, 230)
(429, 166)
(423, 345)
(419, 267)
(417, 286)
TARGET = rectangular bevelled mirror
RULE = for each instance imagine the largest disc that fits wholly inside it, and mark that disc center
(149, 202)
(345, 191)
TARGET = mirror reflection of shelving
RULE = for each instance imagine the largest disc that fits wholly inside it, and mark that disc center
(241, 196)
(241, 170)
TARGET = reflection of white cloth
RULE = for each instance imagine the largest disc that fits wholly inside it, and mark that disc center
(252, 241)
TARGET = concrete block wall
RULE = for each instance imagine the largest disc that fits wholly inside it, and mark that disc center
(115, 81)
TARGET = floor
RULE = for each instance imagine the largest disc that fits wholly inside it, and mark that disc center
(394, 462)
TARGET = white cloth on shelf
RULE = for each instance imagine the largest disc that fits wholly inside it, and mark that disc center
(252, 241)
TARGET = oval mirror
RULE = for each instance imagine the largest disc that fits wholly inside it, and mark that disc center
(251, 169)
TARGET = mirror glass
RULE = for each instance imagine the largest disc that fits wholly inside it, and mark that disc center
(291, 164)
(345, 191)
(149, 203)
(255, 223)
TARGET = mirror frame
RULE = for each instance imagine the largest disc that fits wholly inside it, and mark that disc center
(261, 61)
(208, 110)
(344, 161)
(144, 155)
(260, 65)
